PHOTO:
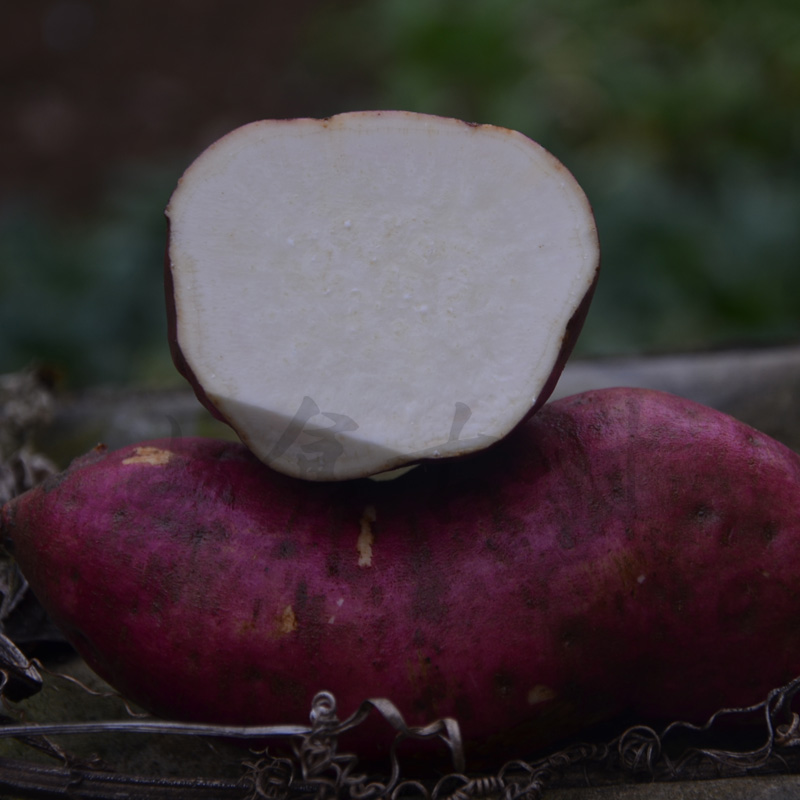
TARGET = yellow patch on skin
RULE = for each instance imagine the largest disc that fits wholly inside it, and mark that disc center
(152, 456)
(287, 621)
(365, 537)
(541, 694)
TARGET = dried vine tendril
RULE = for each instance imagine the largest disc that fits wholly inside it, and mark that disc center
(315, 769)
(326, 773)
(639, 752)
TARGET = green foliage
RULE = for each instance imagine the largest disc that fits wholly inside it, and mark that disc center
(680, 118)
(87, 297)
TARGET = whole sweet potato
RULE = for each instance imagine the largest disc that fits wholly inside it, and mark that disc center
(625, 550)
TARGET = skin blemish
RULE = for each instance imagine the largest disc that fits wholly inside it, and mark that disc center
(287, 621)
(151, 456)
(566, 538)
(365, 537)
(503, 684)
(540, 694)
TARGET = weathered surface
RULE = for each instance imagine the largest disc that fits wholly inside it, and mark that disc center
(758, 387)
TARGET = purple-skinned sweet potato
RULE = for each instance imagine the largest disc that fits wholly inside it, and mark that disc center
(624, 550)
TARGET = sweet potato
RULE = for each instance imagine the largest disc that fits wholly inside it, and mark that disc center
(623, 550)
(410, 273)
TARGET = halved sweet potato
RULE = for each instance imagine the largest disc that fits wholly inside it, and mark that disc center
(375, 289)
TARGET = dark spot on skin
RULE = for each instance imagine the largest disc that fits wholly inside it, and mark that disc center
(502, 684)
(166, 524)
(505, 523)
(703, 514)
(769, 532)
(285, 549)
(381, 627)
(430, 587)
(301, 597)
(491, 545)
(164, 488)
(202, 534)
(231, 453)
(617, 485)
(595, 505)
(226, 497)
(419, 638)
(256, 609)
(309, 610)
(566, 539)
(252, 674)
(572, 632)
(527, 597)
(75, 574)
(175, 590)
(376, 595)
(333, 563)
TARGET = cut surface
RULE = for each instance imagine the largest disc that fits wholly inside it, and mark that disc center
(367, 291)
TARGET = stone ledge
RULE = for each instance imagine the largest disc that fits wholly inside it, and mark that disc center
(759, 387)
(774, 787)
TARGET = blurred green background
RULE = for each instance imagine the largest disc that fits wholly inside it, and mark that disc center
(680, 118)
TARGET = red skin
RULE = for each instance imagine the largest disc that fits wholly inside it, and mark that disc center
(627, 549)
